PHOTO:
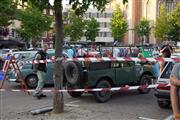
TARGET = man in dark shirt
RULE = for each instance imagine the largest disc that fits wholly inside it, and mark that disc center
(166, 50)
(40, 69)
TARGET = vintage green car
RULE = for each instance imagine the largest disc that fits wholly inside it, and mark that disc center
(91, 75)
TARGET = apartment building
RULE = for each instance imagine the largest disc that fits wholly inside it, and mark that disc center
(104, 19)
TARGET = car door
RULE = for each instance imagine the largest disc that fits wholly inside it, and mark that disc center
(125, 73)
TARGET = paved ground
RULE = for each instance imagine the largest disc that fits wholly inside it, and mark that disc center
(122, 106)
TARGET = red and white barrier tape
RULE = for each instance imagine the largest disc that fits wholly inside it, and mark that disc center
(92, 59)
(126, 88)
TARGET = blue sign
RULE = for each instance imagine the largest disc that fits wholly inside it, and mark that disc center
(8, 57)
(2, 75)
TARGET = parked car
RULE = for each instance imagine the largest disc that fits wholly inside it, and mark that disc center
(163, 92)
(106, 74)
(22, 55)
(31, 77)
(4, 52)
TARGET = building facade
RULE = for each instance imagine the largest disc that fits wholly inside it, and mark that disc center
(134, 10)
(104, 19)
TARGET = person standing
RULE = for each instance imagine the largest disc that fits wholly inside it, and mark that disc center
(70, 52)
(40, 69)
(166, 51)
(174, 92)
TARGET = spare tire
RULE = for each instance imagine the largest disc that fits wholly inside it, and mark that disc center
(73, 72)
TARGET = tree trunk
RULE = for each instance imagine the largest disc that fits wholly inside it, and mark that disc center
(58, 101)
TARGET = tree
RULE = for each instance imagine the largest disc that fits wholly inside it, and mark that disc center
(74, 28)
(7, 13)
(79, 7)
(162, 26)
(118, 24)
(33, 24)
(91, 29)
(143, 29)
(174, 23)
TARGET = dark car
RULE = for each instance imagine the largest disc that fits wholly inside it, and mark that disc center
(108, 74)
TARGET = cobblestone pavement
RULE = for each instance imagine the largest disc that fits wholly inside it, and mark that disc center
(122, 106)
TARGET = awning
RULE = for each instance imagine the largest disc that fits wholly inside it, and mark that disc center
(10, 43)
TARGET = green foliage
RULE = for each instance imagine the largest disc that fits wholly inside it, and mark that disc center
(125, 1)
(33, 23)
(143, 28)
(118, 24)
(7, 12)
(74, 28)
(91, 29)
(162, 26)
(174, 23)
(81, 7)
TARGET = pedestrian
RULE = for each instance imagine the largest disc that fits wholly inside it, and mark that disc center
(70, 52)
(40, 69)
(155, 52)
(155, 65)
(174, 92)
(166, 51)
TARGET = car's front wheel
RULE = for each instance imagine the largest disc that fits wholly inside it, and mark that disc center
(105, 94)
(163, 104)
(32, 81)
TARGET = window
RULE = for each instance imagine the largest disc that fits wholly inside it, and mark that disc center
(101, 24)
(108, 34)
(93, 15)
(97, 15)
(169, 5)
(51, 12)
(105, 15)
(101, 15)
(167, 71)
(108, 25)
(105, 35)
(89, 15)
(100, 34)
(105, 24)
(109, 15)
